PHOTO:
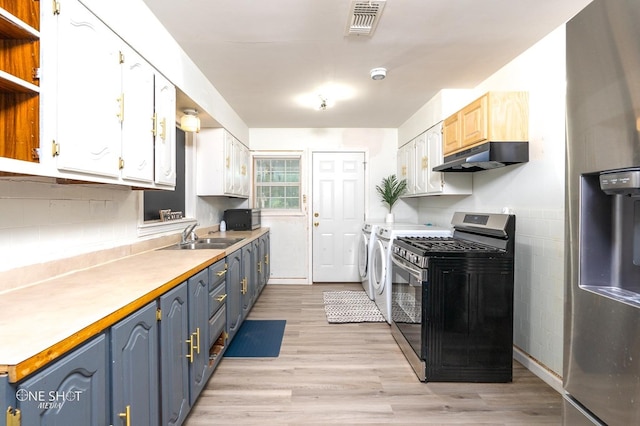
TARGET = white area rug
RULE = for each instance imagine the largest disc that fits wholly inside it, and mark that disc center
(350, 306)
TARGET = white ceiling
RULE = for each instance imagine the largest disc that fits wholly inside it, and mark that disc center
(261, 55)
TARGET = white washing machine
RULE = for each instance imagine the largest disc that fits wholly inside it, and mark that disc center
(365, 252)
(365, 249)
(381, 270)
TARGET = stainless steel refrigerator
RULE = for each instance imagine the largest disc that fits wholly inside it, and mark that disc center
(602, 313)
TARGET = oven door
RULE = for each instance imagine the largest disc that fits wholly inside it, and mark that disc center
(406, 312)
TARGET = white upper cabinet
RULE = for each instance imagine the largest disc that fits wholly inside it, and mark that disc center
(88, 93)
(165, 131)
(137, 117)
(406, 165)
(429, 155)
(222, 164)
(416, 161)
(115, 112)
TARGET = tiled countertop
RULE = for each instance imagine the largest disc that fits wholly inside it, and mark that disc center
(41, 322)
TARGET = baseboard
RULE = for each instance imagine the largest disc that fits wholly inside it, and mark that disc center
(289, 281)
(538, 369)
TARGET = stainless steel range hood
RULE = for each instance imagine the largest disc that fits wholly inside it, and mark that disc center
(489, 155)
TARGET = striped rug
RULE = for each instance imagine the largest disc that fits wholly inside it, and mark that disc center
(350, 306)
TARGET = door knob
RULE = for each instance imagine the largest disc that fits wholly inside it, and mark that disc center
(316, 223)
(316, 214)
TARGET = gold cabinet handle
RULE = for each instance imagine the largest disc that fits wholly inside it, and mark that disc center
(425, 162)
(259, 267)
(316, 224)
(197, 336)
(266, 259)
(126, 415)
(154, 123)
(221, 298)
(244, 285)
(14, 416)
(163, 124)
(120, 113)
(190, 354)
(221, 273)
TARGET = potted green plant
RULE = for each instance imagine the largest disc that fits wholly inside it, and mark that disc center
(390, 190)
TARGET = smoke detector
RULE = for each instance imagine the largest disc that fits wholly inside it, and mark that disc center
(364, 17)
(378, 73)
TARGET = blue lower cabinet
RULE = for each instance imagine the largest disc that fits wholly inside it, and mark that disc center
(134, 369)
(235, 288)
(174, 365)
(199, 371)
(73, 390)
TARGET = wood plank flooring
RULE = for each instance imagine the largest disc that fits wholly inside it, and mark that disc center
(354, 374)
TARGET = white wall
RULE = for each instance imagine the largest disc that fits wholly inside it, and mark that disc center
(41, 220)
(535, 192)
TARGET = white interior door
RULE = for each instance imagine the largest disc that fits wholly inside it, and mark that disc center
(338, 215)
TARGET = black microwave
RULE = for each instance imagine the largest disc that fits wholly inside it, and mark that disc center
(242, 219)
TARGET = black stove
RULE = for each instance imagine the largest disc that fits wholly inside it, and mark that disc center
(474, 235)
(452, 300)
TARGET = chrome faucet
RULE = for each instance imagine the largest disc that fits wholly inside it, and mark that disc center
(188, 235)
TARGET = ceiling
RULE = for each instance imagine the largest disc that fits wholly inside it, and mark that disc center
(262, 56)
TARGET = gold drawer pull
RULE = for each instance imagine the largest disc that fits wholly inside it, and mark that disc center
(190, 354)
(126, 415)
(197, 334)
(221, 298)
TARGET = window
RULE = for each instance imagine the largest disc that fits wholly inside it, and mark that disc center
(277, 183)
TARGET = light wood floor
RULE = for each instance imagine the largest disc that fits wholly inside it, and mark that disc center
(354, 374)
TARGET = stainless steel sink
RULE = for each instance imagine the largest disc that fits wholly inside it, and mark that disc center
(206, 243)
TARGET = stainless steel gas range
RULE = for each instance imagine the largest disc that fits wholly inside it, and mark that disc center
(452, 300)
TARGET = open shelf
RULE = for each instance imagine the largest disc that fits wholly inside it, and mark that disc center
(19, 69)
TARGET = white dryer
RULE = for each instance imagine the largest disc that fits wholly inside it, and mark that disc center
(381, 270)
(365, 251)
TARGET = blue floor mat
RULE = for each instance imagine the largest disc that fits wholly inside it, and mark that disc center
(257, 339)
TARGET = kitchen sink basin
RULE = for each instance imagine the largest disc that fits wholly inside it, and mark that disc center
(206, 243)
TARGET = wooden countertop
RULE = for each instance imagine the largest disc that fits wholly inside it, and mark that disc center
(41, 322)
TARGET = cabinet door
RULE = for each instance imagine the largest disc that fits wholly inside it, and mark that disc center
(260, 254)
(474, 122)
(451, 134)
(198, 287)
(433, 181)
(421, 161)
(247, 278)
(89, 106)
(245, 163)
(165, 135)
(137, 124)
(174, 366)
(405, 166)
(254, 283)
(234, 287)
(134, 368)
(267, 257)
(230, 156)
(71, 391)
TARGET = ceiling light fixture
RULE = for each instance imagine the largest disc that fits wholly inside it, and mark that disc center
(190, 122)
(323, 104)
(378, 73)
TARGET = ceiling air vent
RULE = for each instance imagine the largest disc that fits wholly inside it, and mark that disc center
(364, 17)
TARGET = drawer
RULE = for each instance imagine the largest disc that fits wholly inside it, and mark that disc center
(217, 298)
(217, 324)
(217, 274)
